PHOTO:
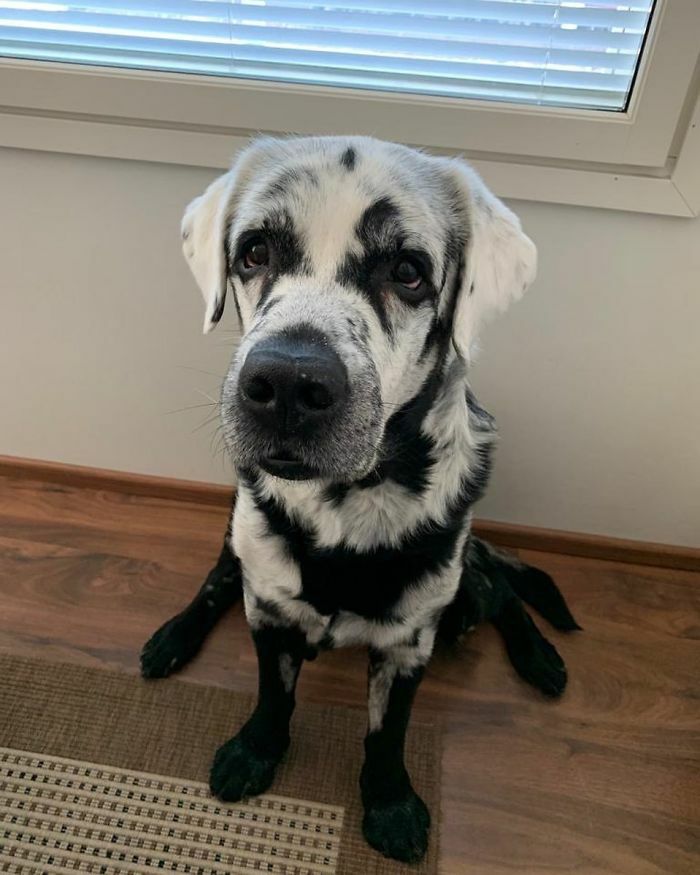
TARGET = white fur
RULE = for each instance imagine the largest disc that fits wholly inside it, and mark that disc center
(500, 262)
(501, 259)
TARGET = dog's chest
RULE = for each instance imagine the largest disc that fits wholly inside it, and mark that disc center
(353, 573)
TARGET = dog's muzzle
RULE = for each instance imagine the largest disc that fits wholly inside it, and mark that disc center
(292, 388)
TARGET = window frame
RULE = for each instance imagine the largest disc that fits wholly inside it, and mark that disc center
(644, 159)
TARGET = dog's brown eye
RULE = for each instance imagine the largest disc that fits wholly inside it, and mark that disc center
(408, 274)
(256, 254)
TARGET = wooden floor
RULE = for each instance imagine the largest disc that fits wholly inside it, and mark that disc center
(605, 781)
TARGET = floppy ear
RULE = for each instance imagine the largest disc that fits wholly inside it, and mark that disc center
(500, 261)
(204, 228)
(203, 233)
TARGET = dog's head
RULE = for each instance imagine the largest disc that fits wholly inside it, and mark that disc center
(357, 268)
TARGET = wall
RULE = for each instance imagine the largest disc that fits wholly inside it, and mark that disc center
(594, 376)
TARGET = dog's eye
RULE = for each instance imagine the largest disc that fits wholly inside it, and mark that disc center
(408, 274)
(255, 254)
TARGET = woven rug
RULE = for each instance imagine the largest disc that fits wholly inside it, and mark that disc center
(105, 773)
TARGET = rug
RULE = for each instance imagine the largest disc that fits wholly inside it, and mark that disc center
(104, 773)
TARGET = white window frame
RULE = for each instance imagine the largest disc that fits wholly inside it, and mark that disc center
(646, 159)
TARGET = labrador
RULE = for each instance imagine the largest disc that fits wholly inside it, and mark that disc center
(361, 273)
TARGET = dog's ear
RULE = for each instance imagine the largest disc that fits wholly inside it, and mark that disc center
(203, 233)
(204, 229)
(499, 260)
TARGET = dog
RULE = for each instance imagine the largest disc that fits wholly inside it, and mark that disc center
(361, 273)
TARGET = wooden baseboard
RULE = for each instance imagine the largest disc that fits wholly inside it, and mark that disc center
(80, 476)
(504, 534)
(522, 537)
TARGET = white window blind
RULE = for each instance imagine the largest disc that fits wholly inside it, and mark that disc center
(577, 53)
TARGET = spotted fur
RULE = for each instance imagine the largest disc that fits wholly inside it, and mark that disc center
(373, 547)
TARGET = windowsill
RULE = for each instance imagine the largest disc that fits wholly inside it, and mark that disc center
(646, 160)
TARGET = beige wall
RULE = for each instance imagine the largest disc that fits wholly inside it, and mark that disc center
(594, 377)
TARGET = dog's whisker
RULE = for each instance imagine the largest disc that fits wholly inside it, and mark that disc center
(190, 407)
(199, 371)
(213, 418)
(207, 396)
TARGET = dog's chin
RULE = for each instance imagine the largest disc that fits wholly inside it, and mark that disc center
(294, 468)
(288, 468)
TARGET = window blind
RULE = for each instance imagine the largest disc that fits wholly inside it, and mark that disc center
(574, 53)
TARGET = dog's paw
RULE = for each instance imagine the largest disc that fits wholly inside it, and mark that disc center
(533, 657)
(168, 649)
(539, 664)
(238, 771)
(398, 829)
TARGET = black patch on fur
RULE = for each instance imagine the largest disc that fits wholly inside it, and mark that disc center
(537, 589)
(377, 230)
(219, 309)
(264, 307)
(348, 158)
(288, 247)
(270, 609)
(336, 493)
(534, 658)
(373, 223)
(442, 327)
(507, 573)
(491, 587)
(235, 302)
(287, 180)
(359, 332)
(246, 764)
(305, 333)
(366, 583)
(396, 820)
(407, 450)
(287, 250)
(179, 640)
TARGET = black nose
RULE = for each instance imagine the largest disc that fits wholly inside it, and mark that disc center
(290, 382)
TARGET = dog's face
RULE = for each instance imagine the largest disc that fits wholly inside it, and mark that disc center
(356, 268)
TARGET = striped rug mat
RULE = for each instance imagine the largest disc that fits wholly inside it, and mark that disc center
(103, 773)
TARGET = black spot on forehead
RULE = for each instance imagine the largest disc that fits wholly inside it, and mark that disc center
(287, 180)
(377, 221)
(348, 158)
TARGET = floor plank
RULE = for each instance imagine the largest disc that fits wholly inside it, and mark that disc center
(605, 781)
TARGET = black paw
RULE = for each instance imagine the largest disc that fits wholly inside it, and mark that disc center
(534, 658)
(398, 829)
(238, 771)
(171, 647)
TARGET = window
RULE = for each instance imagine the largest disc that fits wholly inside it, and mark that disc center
(591, 102)
(573, 53)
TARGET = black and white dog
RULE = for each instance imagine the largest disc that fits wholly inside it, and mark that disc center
(361, 272)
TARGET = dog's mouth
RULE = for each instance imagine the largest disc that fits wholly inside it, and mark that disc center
(288, 467)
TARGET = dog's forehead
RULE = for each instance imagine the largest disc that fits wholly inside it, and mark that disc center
(328, 186)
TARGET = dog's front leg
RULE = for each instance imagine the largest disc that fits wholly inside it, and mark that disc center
(180, 639)
(396, 820)
(245, 765)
